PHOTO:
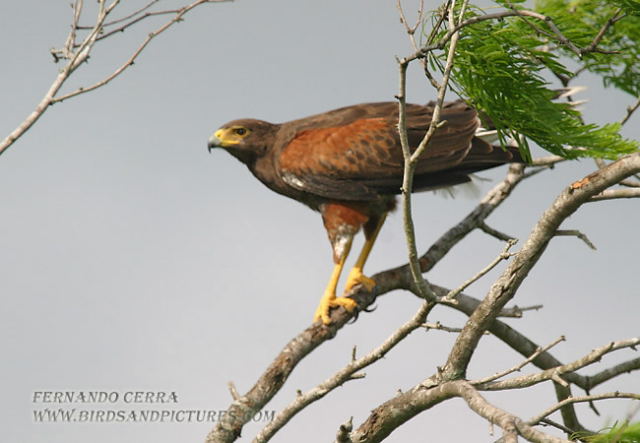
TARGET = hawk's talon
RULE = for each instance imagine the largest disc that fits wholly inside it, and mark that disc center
(331, 301)
(356, 277)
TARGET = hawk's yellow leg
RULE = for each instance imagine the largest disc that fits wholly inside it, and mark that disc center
(355, 275)
(329, 299)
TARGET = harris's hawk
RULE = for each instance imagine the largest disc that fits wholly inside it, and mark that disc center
(348, 165)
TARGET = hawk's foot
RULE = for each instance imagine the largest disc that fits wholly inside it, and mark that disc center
(356, 277)
(328, 301)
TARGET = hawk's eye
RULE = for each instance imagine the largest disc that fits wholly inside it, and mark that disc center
(240, 131)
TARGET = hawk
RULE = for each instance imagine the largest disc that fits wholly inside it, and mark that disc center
(348, 165)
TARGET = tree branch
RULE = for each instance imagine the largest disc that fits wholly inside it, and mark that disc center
(396, 411)
(587, 398)
(504, 255)
(411, 159)
(630, 110)
(484, 381)
(505, 287)
(576, 233)
(532, 379)
(344, 375)
(592, 47)
(77, 53)
(387, 417)
(229, 428)
(179, 13)
(614, 194)
(609, 373)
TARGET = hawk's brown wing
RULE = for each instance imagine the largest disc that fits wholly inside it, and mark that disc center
(361, 158)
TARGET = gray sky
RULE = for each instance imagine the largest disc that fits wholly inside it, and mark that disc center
(132, 260)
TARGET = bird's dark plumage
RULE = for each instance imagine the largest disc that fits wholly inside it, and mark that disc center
(348, 164)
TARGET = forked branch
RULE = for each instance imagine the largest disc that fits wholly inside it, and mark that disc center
(75, 52)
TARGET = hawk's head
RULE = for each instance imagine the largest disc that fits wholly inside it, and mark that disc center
(245, 139)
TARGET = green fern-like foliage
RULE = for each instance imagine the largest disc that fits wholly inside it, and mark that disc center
(630, 6)
(580, 21)
(500, 66)
(620, 433)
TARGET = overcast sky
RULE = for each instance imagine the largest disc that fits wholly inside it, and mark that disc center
(132, 260)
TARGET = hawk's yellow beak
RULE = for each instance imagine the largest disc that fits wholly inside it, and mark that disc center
(215, 141)
(223, 138)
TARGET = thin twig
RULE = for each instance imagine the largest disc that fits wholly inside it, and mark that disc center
(494, 232)
(411, 30)
(504, 255)
(532, 379)
(137, 20)
(74, 61)
(411, 160)
(587, 398)
(440, 327)
(130, 61)
(71, 38)
(592, 47)
(630, 110)
(547, 161)
(576, 233)
(519, 365)
(232, 390)
(133, 14)
(78, 53)
(609, 373)
(557, 425)
(613, 194)
(495, 16)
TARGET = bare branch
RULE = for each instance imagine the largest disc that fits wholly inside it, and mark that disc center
(613, 194)
(511, 425)
(137, 20)
(133, 14)
(532, 379)
(519, 366)
(401, 408)
(630, 110)
(495, 16)
(587, 398)
(241, 410)
(343, 375)
(77, 53)
(74, 61)
(504, 255)
(609, 373)
(618, 15)
(179, 13)
(411, 159)
(576, 233)
(494, 232)
(71, 38)
(549, 160)
(411, 30)
(440, 327)
(557, 425)
(233, 391)
(505, 287)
